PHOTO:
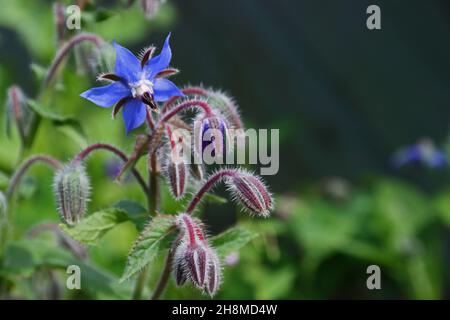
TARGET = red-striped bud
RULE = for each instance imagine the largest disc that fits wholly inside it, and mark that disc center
(177, 176)
(191, 255)
(251, 192)
(194, 259)
(214, 273)
(176, 169)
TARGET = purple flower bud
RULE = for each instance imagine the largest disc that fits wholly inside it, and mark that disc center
(251, 193)
(179, 268)
(196, 257)
(71, 187)
(18, 111)
(211, 136)
(176, 168)
(177, 174)
(191, 255)
(214, 273)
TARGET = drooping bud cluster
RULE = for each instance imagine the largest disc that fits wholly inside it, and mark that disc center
(71, 187)
(251, 192)
(194, 258)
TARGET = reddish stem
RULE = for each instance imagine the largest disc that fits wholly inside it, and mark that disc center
(149, 118)
(99, 146)
(54, 163)
(64, 51)
(216, 177)
(183, 106)
(190, 90)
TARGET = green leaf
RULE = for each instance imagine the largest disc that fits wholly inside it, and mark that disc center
(39, 71)
(46, 113)
(231, 240)
(66, 124)
(103, 14)
(92, 228)
(73, 130)
(24, 257)
(136, 212)
(149, 244)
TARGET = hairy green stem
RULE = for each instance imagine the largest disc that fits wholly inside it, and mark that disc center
(164, 277)
(153, 207)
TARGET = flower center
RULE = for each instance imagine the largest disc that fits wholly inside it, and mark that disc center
(139, 88)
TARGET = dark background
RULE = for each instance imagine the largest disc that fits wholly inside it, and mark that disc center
(345, 97)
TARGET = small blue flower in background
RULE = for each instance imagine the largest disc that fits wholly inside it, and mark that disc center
(136, 84)
(423, 152)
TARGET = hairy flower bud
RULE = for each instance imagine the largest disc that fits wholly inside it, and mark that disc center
(228, 107)
(176, 168)
(191, 255)
(177, 176)
(150, 7)
(18, 111)
(197, 171)
(214, 273)
(251, 193)
(179, 268)
(211, 136)
(71, 188)
(194, 259)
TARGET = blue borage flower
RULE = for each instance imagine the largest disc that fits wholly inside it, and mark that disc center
(423, 152)
(136, 84)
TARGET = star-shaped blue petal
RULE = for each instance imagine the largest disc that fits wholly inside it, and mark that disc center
(133, 85)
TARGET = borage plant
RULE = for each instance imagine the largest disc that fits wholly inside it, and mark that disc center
(139, 88)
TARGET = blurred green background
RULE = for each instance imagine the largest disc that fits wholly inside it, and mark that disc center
(344, 98)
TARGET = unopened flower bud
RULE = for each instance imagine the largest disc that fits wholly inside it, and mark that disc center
(191, 255)
(71, 187)
(228, 107)
(150, 7)
(60, 21)
(251, 193)
(197, 171)
(197, 263)
(177, 176)
(176, 168)
(179, 268)
(212, 136)
(18, 111)
(214, 273)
